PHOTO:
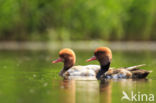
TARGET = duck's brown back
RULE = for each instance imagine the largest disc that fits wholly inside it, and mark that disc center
(127, 72)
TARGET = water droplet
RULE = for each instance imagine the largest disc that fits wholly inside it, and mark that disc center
(4, 66)
(45, 84)
(34, 75)
(18, 64)
(31, 90)
(62, 87)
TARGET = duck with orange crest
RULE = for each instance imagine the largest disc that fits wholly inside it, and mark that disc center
(104, 56)
(69, 71)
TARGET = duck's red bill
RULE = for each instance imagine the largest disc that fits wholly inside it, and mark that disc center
(91, 59)
(57, 60)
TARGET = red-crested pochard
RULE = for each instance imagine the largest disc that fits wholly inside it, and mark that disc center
(104, 56)
(68, 57)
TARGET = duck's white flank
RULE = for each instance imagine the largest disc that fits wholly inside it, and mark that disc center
(88, 70)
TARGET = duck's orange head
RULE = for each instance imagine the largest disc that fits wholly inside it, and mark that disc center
(67, 56)
(103, 55)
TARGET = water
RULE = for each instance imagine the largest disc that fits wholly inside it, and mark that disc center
(29, 77)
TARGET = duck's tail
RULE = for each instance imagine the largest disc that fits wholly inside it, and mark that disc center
(135, 67)
(138, 73)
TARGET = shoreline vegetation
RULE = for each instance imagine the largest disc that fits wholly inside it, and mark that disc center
(65, 20)
(79, 45)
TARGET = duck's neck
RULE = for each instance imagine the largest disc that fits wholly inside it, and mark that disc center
(104, 68)
(65, 68)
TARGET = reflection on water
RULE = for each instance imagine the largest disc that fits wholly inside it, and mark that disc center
(29, 77)
(93, 91)
(68, 91)
(87, 91)
(80, 91)
(105, 91)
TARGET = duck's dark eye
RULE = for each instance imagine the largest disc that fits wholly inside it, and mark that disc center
(99, 53)
(64, 55)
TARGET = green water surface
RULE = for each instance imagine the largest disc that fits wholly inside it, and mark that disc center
(30, 77)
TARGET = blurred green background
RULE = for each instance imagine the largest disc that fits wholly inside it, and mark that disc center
(67, 20)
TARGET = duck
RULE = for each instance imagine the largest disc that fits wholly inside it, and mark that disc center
(70, 71)
(104, 56)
